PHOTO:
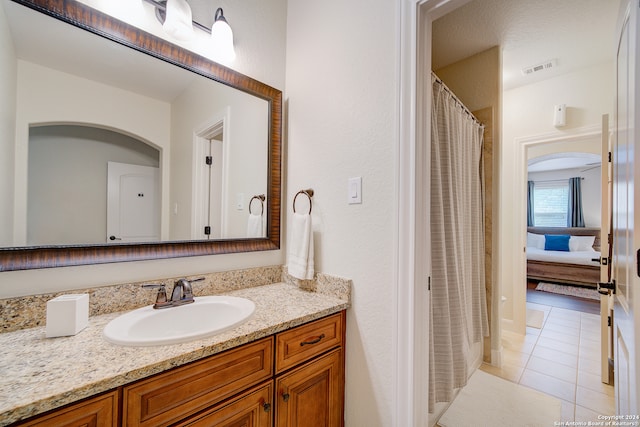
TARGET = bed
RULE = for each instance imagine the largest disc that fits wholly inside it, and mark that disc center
(579, 266)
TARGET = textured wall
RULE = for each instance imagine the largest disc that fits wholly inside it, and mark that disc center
(341, 97)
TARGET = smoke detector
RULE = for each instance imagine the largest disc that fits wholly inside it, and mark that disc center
(540, 67)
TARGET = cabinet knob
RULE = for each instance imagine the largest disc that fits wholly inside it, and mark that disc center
(285, 397)
(266, 406)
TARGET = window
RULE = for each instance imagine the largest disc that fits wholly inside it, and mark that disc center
(550, 202)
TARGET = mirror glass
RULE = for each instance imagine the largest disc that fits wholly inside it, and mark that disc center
(117, 146)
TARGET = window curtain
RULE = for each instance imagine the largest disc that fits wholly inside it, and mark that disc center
(530, 205)
(575, 217)
(458, 296)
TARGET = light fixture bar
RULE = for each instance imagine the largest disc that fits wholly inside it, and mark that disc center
(161, 9)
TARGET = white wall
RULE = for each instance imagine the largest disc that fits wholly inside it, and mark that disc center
(40, 91)
(260, 31)
(67, 195)
(8, 79)
(591, 195)
(245, 152)
(341, 98)
(528, 114)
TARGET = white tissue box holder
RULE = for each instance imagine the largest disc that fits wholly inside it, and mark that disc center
(67, 315)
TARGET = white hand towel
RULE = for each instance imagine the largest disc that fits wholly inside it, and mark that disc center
(300, 263)
(254, 226)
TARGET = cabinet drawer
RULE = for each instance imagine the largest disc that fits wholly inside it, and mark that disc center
(174, 395)
(100, 411)
(304, 342)
(253, 408)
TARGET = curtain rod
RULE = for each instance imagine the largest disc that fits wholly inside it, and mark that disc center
(555, 180)
(438, 80)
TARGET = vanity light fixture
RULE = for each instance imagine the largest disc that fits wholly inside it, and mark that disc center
(177, 21)
(222, 37)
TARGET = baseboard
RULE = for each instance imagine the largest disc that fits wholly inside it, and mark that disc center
(496, 357)
(508, 325)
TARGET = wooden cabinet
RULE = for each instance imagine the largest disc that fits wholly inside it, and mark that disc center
(97, 411)
(291, 379)
(311, 394)
(253, 408)
(174, 395)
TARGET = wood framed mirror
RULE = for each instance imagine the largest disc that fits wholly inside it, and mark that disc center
(37, 256)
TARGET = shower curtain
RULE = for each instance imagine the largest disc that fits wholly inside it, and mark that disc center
(458, 296)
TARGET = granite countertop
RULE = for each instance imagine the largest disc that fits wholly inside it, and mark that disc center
(39, 374)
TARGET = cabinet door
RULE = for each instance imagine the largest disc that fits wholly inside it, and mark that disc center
(313, 394)
(100, 411)
(251, 409)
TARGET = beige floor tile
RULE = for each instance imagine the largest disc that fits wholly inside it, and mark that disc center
(556, 356)
(515, 358)
(590, 346)
(549, 385)
(565, 313)
(585, 414)
(521, 347)
(564, 338)
(602, 404)
(508, 372)
(589, 335)
(533, 331)
(568, 411)
(563, 346)
(562, 329)
(589, 317)
(541, 307)
(593, 382)
(555, 370)
(564, 321)
(588, 364)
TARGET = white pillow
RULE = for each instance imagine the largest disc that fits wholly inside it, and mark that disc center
(535, 240)
(581, 243)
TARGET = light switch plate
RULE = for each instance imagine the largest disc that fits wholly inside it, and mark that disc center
(354, 190)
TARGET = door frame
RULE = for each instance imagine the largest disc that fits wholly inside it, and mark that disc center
(412, 255)
(519, 278)
(219, 122)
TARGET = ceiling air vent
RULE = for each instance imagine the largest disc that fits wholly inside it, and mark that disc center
(539, 67)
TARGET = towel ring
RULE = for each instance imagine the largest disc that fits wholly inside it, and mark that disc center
(261, 198)
(309, 193)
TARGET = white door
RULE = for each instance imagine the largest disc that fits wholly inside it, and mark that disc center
(133, 208)
(625, 241)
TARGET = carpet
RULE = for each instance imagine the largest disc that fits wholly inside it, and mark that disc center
(575, 291)
(491, 401)
(535, 318)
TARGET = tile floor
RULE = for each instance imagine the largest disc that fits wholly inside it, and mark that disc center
(562, 359)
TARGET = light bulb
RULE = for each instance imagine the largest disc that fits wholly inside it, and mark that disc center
(177, 22)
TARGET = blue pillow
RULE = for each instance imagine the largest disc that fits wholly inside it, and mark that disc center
(556, 242)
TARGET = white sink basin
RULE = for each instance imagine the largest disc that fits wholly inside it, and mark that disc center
(205, 317)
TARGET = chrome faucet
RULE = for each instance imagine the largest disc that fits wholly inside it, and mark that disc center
(182, 293)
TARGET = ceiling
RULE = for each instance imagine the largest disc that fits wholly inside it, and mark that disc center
(577, 33)
(559, 161)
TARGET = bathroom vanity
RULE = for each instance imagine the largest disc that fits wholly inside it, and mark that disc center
(284, 364)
